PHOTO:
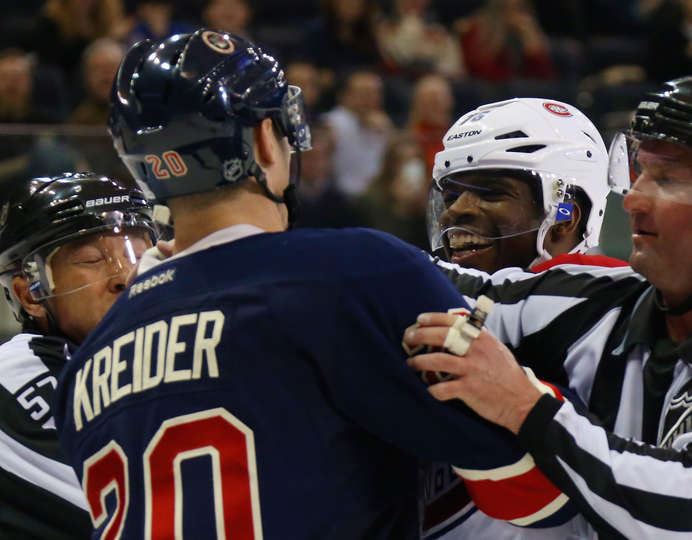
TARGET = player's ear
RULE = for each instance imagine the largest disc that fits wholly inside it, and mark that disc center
(567, 227)
(265, 144)
(20, 287)
(564, 235)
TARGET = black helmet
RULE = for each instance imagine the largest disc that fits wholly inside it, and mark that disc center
(667, 113)
(44, 213)
(184, 108)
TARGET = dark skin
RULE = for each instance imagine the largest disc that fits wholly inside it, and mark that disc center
(488, 206)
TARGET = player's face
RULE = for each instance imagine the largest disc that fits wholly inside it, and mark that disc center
(660, 208)
(89, 274)
(488, 208)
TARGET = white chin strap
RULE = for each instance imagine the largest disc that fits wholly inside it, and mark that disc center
(543, 254)
(546, 224)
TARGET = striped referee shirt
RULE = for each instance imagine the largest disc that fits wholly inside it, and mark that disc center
(592, 329)
(40, 497)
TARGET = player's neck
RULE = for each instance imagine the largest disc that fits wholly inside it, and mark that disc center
(193, 222)
(679, 327)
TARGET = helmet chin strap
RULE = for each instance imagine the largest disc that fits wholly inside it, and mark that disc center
(543, 254)
(289, 197)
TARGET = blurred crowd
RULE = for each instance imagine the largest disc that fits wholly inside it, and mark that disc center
(383, 79)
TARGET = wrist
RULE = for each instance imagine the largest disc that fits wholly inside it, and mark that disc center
(518, 414)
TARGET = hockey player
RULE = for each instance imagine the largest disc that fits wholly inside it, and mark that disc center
(62, 266)
(253, 385)
(621, 337)
(519, 183)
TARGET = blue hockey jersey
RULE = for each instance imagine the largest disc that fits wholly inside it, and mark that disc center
(257, 388)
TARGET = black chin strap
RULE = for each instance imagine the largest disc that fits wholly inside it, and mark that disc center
(290, 199)
(680, 309)
(289, 196)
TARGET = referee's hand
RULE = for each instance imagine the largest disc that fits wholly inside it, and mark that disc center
(487, 378)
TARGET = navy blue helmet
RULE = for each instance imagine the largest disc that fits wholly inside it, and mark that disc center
(184, 108)
(667, 113)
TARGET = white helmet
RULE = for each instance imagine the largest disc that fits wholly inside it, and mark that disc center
(550, 140)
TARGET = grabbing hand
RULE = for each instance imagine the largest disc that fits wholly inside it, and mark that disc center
(487, 378)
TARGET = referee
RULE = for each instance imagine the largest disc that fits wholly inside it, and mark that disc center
(620, 337)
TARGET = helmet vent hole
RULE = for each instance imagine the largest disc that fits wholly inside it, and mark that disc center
(447, 164)
(469, 158)
(588, 153)
(590, 137)
(511, 135)
(528, 149)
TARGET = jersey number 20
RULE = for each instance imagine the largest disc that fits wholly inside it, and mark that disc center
(214, 433)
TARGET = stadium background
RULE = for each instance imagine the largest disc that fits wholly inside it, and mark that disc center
(57, 58)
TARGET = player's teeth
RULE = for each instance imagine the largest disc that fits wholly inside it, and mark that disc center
(458, 240)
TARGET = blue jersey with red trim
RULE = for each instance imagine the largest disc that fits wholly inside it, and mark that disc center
(259, 387)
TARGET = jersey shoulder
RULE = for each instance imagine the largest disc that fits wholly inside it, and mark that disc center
(356, 247)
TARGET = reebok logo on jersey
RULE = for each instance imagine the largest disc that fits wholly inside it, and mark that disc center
(153, 281)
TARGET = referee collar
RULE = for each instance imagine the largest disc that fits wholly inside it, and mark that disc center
(644, 323)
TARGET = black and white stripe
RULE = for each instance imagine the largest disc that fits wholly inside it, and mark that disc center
(629, 489)
(572, 325)
(40, 496)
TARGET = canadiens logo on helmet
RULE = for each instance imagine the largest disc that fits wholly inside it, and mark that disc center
(556, 108)
(218, 42)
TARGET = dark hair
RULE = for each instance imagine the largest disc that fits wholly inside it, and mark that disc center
(579, 196)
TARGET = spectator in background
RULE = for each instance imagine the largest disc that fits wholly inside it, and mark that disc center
(361, 128)
(232, 16)
(154, 20)
(16, 87)
(65, 27)
(670, 40)
(503, 40)
(321, 204)
(412, 45)
(99, 65)
(305, 74)
(432, 107)
(397, 198)
(29, 94)
(343, 36)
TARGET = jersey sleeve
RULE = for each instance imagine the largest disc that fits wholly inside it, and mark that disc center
(627, 488)
(370, 383)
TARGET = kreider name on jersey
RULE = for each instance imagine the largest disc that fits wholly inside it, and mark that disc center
(145, 358)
